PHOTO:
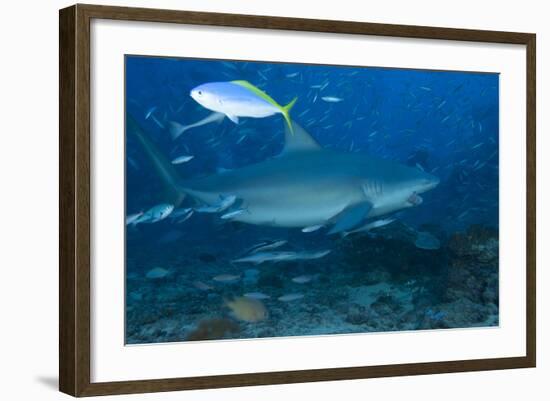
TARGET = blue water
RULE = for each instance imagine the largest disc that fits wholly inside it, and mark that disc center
(442, 122)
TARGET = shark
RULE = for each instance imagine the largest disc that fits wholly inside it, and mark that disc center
(305, 185)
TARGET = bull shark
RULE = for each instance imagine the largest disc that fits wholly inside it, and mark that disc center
(304, 186)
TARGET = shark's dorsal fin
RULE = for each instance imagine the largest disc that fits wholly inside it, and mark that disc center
(299, 140)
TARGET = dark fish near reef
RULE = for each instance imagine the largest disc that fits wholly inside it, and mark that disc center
(425, 240)
(305, 185)
(213, 329)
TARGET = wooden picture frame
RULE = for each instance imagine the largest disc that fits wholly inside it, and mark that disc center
(74, 203)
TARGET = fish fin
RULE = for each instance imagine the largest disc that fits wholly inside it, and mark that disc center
(176, 129)
(233, 118)
(164, 169)
(351, 217)
(285, 110)
(298, 139)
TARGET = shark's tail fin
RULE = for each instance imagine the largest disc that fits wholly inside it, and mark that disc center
(162, 166)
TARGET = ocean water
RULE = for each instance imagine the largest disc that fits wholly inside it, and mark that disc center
(434, 266)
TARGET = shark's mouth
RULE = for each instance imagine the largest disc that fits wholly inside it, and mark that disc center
(414, 199)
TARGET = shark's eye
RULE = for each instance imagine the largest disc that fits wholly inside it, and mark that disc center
(200, 93)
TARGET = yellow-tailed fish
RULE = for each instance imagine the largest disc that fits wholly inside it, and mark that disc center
(239, 99)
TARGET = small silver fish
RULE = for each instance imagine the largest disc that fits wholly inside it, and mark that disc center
(176, 129)
(133, 163)
(185, 217)
(290, 297)
(225, 203)
(155, 214)
(478, 145)
(312, 228)
(182, 159)
(150, 112)
(157, 273)
(232, 214)
(180, 212)
(267, 246)
(306, 278)
(275, 257)
(133, 217)
(463, 214)
(481, 165)
(226, 278)
(257, 295)
(202, 286)
(331, 99)
(370, 226)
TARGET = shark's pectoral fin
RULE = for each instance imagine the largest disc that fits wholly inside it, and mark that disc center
(233, 118)
(350, 217)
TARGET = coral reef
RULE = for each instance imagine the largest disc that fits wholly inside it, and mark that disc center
(479, 243)
(378, 281)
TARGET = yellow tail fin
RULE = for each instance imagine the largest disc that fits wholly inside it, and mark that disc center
(285, 110)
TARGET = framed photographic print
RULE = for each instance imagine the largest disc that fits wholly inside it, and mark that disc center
(319, 200)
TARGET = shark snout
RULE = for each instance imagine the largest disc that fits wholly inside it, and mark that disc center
(427, 183)
(434, 181)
